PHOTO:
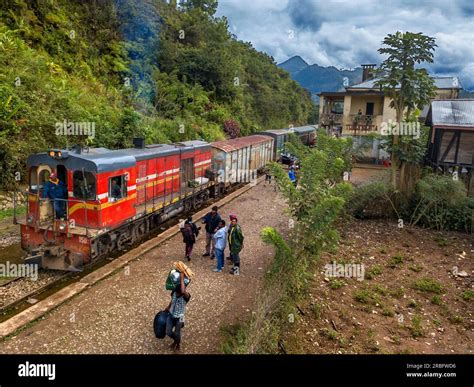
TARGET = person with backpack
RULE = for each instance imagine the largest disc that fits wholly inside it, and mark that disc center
(236, 243)
(211, 220)
(177, 309)
(189, 239)
(193, 226)
(220, 241)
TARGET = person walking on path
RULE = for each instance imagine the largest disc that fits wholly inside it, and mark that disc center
(194, 227)
(211, 220)
(220, 241)
(236, 243)
(177, 310)
(189, 239)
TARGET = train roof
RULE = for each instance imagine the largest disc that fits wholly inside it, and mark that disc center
(240, 142)
(104, 160)
(304, 129)
(275, 131)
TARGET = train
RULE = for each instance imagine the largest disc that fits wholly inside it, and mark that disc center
(116, 197)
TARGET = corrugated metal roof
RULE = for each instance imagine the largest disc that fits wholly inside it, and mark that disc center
(304, 129)
(452, 112)
(440, 83)
(276, 131)
(241, 142)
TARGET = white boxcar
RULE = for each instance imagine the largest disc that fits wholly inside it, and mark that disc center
(239, 160)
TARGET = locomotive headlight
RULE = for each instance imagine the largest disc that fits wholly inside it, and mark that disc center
(62, 226)
(30, 219)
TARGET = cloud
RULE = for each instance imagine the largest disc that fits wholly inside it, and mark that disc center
(346, 33)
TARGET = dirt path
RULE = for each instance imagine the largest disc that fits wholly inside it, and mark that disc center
(116, 315)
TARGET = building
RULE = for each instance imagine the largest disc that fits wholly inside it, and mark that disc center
(451, 139)
(360, 109)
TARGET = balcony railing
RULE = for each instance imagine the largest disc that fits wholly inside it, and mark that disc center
(331, 119)
(362, 123)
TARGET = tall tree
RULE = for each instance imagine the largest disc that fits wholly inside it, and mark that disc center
(409, 88)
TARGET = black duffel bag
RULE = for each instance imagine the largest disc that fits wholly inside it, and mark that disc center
(159, 324)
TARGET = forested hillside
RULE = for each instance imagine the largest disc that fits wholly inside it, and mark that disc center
(130, 68)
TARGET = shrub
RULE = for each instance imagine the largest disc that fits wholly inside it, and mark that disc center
(372, 201)
(442, 203)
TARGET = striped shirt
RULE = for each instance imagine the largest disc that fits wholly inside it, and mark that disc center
(178, 306)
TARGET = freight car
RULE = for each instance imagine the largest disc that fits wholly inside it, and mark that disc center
(307, 135)
(240, 159)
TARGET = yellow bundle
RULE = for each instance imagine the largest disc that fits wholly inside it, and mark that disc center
(181, 267)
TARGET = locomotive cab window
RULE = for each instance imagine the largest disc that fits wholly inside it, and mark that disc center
(83, 186)
(34, 180)
(43, 178)
(117, 188)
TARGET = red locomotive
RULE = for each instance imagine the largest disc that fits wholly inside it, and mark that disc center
(113, 198)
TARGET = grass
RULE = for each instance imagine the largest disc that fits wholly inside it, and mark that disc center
(428, 285)
(416, 328)
(365, 296)
(374, 271)
(317, 310)
(8, 213)
(468, 295)
(331, 334)
(397, 292)
(380, 289)
(233, 338)
(436, 300)
(388, 312)
(441, 242)
(396, 261)
(336, 284)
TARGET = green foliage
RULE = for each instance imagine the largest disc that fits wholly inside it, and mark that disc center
(468, 295)
(396, 261)
(410, 89)
(428, 285)
(442, 203)
(407, 86)
(416, 328)
(373, 271)
(124, 67)
(314, 205)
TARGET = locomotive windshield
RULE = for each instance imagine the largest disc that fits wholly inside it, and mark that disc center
(84, 185)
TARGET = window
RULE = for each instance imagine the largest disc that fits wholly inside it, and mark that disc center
(117, 188)
(83, 185)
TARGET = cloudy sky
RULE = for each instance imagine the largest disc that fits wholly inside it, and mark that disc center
(346, 33)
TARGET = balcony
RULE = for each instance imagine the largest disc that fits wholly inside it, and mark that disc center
(363, 124)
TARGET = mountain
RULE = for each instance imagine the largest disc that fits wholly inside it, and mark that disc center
(294, 65)
(317, 78)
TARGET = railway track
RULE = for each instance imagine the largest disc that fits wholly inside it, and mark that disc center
(15, 293)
